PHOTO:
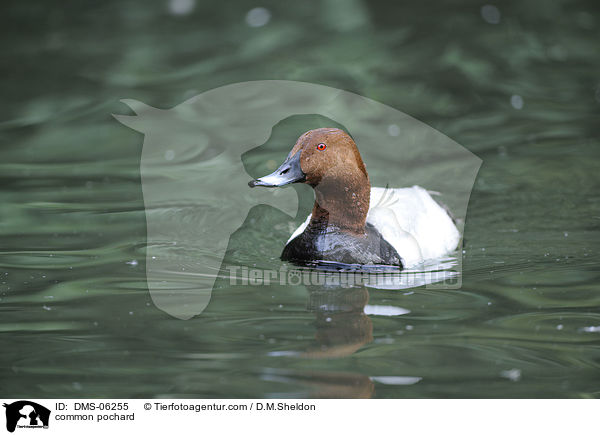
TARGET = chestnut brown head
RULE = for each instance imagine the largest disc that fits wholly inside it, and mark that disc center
(320, 155)
(328, 160)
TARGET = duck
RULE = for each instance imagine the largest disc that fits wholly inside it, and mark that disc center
(351, 222)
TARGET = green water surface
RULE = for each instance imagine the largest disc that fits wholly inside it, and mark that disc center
(518, 85)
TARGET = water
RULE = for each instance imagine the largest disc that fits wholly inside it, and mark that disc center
(519, 89)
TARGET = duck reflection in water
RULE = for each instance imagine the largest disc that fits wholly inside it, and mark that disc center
(342, 325)
(342, 329)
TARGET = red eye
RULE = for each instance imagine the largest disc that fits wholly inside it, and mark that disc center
(321, 146)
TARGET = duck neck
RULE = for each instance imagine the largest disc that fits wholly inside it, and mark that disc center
(341, 203)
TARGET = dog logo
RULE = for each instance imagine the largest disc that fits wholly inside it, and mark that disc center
(26, 414)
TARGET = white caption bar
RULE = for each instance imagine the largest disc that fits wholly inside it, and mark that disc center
(160, 416)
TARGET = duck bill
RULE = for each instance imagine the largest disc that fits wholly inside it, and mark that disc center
(289, 172)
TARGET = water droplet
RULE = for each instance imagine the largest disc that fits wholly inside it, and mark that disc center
(516, 101)
(258, 17)
(490, 14)
(393, 130)
(169, 155)
(181, 7)
(512, 374)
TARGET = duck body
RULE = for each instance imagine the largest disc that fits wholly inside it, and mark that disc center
(407, 219)
(351, 222)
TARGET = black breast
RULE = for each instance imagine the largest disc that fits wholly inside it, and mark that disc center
(336, 245)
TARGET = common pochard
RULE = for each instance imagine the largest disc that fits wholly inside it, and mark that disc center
(351, 222)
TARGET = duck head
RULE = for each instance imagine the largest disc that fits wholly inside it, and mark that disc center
(328, 160)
